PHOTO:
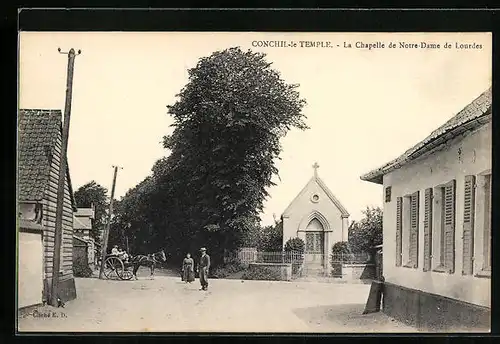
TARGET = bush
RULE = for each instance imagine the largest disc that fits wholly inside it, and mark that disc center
(271, 239)
(81, 268)
(341, 253)
(262, 274)
(226, 270)
(342, 249)
(267, 239)
(295, 244)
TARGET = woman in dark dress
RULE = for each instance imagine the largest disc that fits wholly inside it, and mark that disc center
(188, 269)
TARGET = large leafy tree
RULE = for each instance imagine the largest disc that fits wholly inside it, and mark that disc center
(267, 238)
(131, 224)
(366, 233)
(93, 193)
(228, 122)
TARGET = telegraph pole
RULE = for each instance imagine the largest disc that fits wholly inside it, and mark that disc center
(56, 263)
(106, 230)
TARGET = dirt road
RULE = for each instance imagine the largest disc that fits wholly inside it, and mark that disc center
(168, 305)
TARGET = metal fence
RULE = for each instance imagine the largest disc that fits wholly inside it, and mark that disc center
(243, 255)
(279, 257)
(351, 258)
(251, 255)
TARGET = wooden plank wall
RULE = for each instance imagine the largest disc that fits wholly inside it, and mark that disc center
(50, 203)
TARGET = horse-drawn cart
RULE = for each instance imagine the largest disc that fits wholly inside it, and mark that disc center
(116, 268)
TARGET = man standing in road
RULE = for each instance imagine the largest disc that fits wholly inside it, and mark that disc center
(204, 266)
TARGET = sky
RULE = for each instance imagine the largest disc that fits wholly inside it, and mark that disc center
(364, 106)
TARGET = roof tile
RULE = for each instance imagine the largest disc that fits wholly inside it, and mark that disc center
(38, 131)
(477, 108)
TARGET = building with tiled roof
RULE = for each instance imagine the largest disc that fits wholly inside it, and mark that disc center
(39, 156)
(83, 225)
(437, 224)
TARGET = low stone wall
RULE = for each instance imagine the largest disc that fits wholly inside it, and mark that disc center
(358, 271)
(433, 312)
(285, 270)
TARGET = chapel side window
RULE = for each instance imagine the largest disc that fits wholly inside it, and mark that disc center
(309, 242)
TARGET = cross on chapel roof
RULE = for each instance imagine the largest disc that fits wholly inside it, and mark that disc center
(315, 166)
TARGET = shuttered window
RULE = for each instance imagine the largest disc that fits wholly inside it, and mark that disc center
(468, 226)
(441, 228)
(413, 245)
(449, 226)
(399, 230)
(487, 225)
(428, 196)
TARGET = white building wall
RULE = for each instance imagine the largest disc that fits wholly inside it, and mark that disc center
(465, 155)
(297, 217)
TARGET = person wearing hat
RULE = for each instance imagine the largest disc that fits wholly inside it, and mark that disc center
(115, 250)
(204, 266)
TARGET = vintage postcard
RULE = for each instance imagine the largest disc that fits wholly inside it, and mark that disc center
(254, 182)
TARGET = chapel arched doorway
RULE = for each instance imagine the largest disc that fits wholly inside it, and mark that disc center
(315, 243)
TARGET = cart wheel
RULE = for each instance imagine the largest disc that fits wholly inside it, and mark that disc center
(113, 268)
(126, 275)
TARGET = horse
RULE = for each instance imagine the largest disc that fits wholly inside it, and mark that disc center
(149, 260)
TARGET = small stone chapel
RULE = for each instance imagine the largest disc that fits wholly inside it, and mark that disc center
(317, 217)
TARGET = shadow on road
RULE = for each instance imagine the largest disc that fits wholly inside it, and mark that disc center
(348, 318)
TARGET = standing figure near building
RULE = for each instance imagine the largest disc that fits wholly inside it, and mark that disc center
(188, 269)
(204, 267)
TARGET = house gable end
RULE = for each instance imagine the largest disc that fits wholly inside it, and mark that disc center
(38, 133)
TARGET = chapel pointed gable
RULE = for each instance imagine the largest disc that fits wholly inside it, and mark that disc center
(315, 183)
(316, 216)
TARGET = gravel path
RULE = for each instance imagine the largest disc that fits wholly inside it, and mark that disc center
(168, 305)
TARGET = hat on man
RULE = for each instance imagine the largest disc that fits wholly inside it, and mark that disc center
(203, 249)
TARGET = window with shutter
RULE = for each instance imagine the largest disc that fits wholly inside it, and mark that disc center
(387, 194)
(399, 229)
(487, 225)
(427, 229)
(449, 226)
(468, 226)
(441, 229)
(413, 247)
